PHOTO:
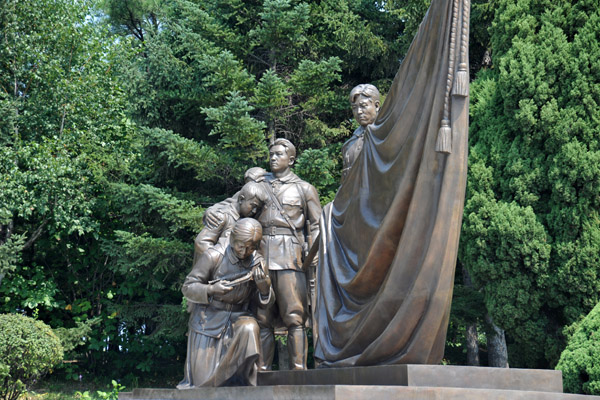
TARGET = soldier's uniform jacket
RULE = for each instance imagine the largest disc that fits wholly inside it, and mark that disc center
(211, 315)
(300, 201)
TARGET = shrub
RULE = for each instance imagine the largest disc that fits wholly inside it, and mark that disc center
(28, 350)
(580, 361)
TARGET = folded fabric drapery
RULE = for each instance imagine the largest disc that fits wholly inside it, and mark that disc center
(389, 240)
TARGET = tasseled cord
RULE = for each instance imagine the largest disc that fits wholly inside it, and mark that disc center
(461, 83)
(444, 138)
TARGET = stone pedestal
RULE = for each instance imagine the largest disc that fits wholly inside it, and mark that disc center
(422, 375)
(413, 382)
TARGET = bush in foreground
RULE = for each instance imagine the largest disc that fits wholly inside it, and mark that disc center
(28, 350)
(580, 361)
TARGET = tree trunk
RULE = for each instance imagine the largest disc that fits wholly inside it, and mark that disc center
(496, 344)
(472, 345)
(5, 234)
(272, 132)
(16, 98)
(471, 332)
(271, 127)
(6, 231)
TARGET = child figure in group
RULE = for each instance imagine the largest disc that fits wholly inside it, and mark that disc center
(247, 203)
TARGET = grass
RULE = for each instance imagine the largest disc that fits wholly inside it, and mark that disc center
(61, 390)
(57, 388)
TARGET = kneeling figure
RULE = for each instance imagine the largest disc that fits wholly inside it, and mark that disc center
(224, 337)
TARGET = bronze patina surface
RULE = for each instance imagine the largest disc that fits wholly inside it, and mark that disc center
(245, 204)
(365, 103)
(288, 210)
(389, 240)
(290, 222)
(223, 336)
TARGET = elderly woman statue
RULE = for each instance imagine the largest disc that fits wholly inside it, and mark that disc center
(224, 285)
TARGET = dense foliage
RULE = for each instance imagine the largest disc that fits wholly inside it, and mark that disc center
(531, 230)
(120, 121)
(75, 171)
(580, 361)
(28, 350)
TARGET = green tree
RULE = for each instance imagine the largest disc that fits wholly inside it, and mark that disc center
(59, 111)
(72, 167)
(531, 223)
(218, 70)
(292, 61)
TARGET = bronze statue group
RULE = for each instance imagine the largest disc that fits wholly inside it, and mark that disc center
(381, 285)
(250, 266)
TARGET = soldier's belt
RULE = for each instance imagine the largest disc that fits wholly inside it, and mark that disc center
(277, 230)
(219, 305)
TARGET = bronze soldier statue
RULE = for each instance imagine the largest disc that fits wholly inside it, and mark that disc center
(290, 221)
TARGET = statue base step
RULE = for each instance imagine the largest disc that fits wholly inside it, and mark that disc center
(344, 392)
(422, 375)
(410, 382)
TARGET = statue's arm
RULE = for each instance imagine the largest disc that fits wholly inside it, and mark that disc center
(313, 211)
(213, 214)
(195, 286)
(209, 236)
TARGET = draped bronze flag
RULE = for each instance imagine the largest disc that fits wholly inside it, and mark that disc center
(389, 240)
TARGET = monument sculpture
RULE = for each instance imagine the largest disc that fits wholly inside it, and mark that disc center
(224, 337)
(388, 242)
(365, 103)
(290, 221)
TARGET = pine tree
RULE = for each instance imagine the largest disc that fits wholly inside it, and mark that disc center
(531, 229)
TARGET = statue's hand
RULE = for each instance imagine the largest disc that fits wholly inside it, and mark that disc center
(212, 218)
(219, 288)
(263, 281)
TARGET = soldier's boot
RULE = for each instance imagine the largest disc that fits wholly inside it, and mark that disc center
(297, 347)
(267, 341)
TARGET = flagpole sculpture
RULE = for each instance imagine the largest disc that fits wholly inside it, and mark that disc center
(389, 240)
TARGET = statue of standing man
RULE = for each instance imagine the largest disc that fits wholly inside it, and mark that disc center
(290, 222)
